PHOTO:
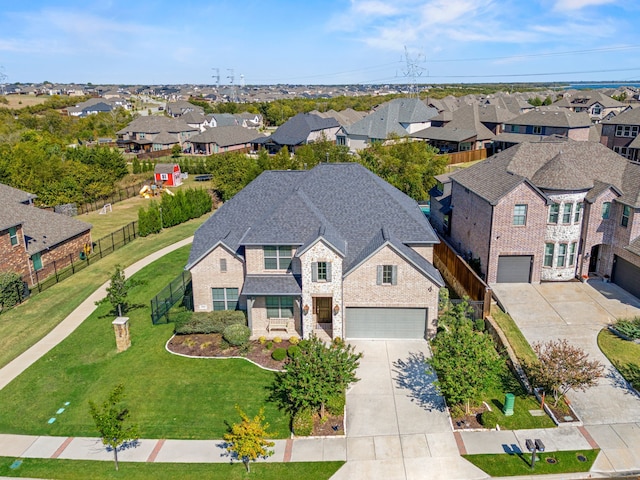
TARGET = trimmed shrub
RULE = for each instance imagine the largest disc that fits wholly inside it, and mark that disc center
(302, 423)
(478, 325)
(268, 345)
(335, 405)
(629, 327)
(489, 419)
(293, 351)
(294, 340)
(277, 340)
(262, 340)
(279, 354)
(11, 288)
(237, 334)
(209, 322)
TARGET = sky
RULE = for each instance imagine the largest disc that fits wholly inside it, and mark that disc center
(324, 42)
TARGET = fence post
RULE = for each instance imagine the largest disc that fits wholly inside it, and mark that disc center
(486, 307)
(100, 247)
(73, 267)
(113, 245)
(124, 237)
(55, 270)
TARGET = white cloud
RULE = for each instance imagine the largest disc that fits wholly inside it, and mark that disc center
(373, 8)
(568, 5)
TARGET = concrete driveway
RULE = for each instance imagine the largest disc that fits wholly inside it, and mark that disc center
(397, 424)
(577, 312)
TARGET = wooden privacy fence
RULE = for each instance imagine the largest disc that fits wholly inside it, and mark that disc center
(460, 274)
(468, 156)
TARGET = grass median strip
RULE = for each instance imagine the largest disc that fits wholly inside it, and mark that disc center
(23, 326)
(507, 465)
(84, 469)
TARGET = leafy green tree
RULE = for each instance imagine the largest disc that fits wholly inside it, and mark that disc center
(231, 172)
(465, 361)
(547, 101)
(248, 439)
(11, 288)
(176, 151)
(561, 367)
(535, 101)
(111, 421)
(323, 150)
(316, 374)
(118, 291)
(136, 166)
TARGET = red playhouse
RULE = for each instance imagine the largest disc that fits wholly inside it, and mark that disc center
(168, 174)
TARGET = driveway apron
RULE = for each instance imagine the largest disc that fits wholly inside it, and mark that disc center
(397, 424)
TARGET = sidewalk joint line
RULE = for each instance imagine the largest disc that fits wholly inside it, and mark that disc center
(154, 453)
(62, 447)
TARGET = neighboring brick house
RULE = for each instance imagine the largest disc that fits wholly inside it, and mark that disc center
(596, 104)
(32, 239)
(223, 139)
(620, 134)
(334, 251)
(153, 133)
(548, 211)
(299, 130)
(544, 122)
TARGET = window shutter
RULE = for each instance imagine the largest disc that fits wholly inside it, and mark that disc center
(379, 275)
(314, 272)
(394, 275)
(328, 271)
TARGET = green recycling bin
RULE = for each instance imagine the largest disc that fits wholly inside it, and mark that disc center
(509, 401)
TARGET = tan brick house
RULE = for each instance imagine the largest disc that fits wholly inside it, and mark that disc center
(32, 239)
(546, 211)
(334, 251)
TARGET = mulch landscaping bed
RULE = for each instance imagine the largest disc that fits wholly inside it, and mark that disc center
(469, 422)
(211, 345)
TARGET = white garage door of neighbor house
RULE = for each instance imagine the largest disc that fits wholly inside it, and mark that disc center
(386, 322)
(514, 268)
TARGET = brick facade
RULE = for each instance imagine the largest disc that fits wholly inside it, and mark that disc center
(14, 257)
(207, 274)
(59, 256)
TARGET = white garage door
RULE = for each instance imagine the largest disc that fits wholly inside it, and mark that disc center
(386, 322)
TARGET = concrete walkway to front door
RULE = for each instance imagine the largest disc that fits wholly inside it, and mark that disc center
(397, 424)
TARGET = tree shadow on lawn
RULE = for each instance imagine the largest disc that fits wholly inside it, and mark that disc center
(413, 374)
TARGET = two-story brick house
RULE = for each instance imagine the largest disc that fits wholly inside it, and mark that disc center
(620, 134)
(32, 239)
(334, 250)
(547, 211)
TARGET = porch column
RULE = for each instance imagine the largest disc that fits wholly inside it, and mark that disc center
(250, 301)
(298, 302)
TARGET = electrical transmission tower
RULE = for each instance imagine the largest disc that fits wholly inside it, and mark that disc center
(3, 78)
(231, 77)
(216, 77)
(413, 71)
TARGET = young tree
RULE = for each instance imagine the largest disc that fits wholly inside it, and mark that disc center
(110, 420)
(247, 439)
(316, 374)
(117, 292)
(561, 367)
(176, 151)
(465, 361)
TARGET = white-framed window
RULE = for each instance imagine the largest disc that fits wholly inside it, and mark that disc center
(279, 307)
(627, 131)
(572, 254)
(596, 109)
(606, 210)
(537, 130)
(566, 212)
(225, 298)
(321, 272)
(576, 213)
(554, 210)
(387, 275)
(223, 264)
(548, 254)
(13, 236)
(164, 176)
(562, 255)
(277, 258)
(626, 213)
(340, 140)
(520, 214)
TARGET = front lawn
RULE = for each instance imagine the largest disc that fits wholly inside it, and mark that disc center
(507, 465)
(169, 396)
(84, 469)
(623, 354)
(518, 343)
(26, 324)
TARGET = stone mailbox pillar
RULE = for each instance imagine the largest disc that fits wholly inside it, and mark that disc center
(121, 329)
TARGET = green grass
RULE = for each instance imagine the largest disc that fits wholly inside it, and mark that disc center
(506, 465)
(518, 343)
(624, 355)
(24, 325)
(84, 469)
(169, 396)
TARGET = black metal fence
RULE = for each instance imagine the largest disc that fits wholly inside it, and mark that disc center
(180, 289)
(67, 266)
(118, 196)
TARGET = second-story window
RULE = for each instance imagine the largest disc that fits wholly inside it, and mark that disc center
(321, 272)
(576, 213)
(554, 210)
(626, 131)
(277, 258)
(223, 264)
(387, 275)
(606, 210)
(13, 235)
(537, 130)
(566, 212)
(520, 215)
(626, 213)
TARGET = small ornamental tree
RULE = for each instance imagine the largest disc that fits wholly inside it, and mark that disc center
(110, 420)
(118, 291)
(316, 374)
(561, 367)
(247, 439)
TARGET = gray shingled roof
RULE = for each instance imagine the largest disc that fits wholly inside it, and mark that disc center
(157, 124)
(552, 118)
(342, 202)
(628, 117)
(10, 194)
(227, 136)
(576, 166)
(272, 285)
(297, 129)
(164, 168)
(445, 134)
(389, 117)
